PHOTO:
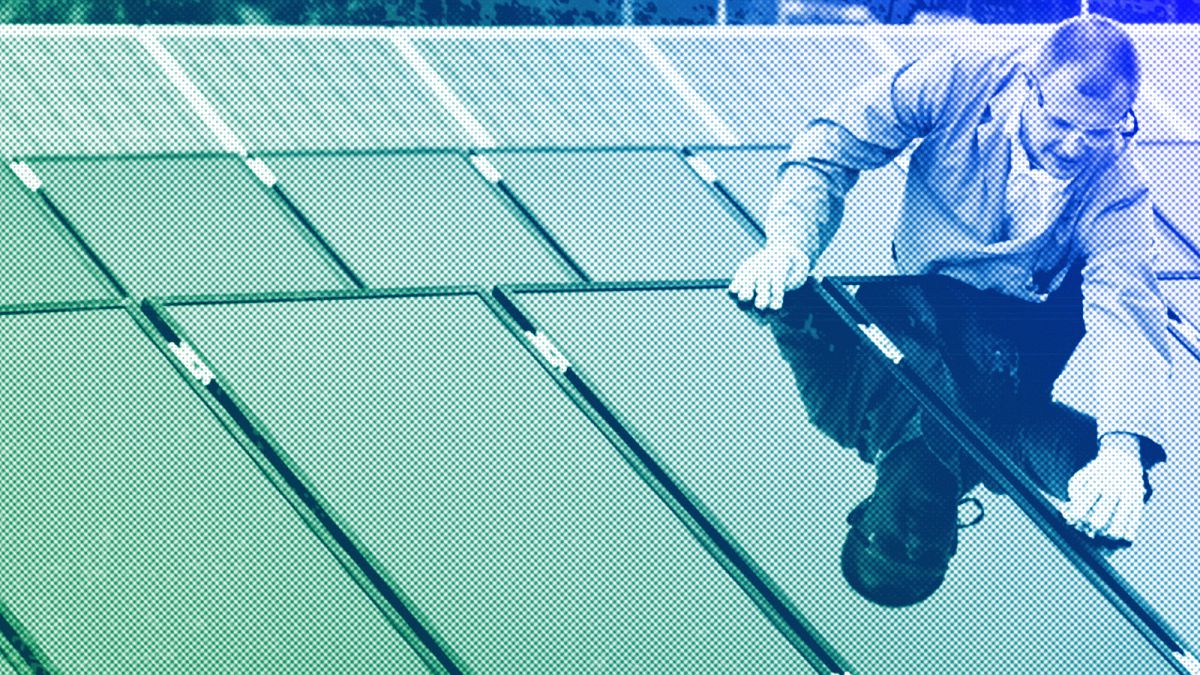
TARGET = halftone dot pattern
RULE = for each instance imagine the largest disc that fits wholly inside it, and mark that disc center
(1166, 551)
(629, 215)
(862, 244)
(1171, 170)
(289, 93)
(1169, 62)
(38, 261)
(734, 424)
(140, 538)
(492, 502)
(417, 219)
(766, 88)
(565, 92)
(187, 225)
(91, 95)
(482, 491)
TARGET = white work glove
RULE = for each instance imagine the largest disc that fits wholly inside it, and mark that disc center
(769, 273)
(1107, 495)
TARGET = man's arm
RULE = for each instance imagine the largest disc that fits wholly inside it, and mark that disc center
(1125, 362)
(863, 130)
(1126, 356)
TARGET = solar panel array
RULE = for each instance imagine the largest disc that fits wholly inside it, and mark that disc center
(268, 411)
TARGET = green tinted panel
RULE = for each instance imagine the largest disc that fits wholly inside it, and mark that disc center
(749, 174)
(186, 225)
(766, 88)
(417, 220)
(55, 106)
(863, 244)
(38, 262)
(488, 497)
(565, 91)
(1171, 171)
(140, 538)
(629, 215)
(292, 93)
(707, 389)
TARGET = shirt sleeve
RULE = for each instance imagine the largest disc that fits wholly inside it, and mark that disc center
(1122, 367)
(865, 129)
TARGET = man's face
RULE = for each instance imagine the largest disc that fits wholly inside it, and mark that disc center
(1069, 132)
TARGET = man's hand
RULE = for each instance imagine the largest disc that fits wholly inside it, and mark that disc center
(1107, 495)
(769, 273)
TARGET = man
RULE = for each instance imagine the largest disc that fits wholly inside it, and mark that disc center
(1021, 186)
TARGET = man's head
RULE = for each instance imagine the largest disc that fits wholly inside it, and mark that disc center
(1082, 86)
(902, 537)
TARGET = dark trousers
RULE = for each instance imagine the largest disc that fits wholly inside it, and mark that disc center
(993, 356)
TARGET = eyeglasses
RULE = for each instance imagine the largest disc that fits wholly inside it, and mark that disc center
(1127, 129)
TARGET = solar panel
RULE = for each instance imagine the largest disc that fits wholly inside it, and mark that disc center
(765, 88)
(910, 45)
(1166, 556)
(1174, 254)
(704, 388)
(296, 93)
(38, 262)
(417, 219)
(91, 95)
(140, 537)
(862, 244)
(186, 225)
(565, 91)
(490, 500)
(629, 214)
(1184, 296)
(1158, 565)
(1171, 170)
(1168, 64)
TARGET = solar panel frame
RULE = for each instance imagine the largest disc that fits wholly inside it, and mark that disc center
(432, 647)
(483, 67)
(776, 114)
(506, 199)
(719, 200)
(510, 298)
(981, 448)
(63, 199)
(137, 111)
(1187, 329)
(146, 325)
(764, 591)
(397, 113)
(289, 478)
(72, 245)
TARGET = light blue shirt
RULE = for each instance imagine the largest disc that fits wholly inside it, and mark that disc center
(956, 218)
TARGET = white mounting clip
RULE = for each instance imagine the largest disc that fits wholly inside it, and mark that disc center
(262, 171)
(703, 168)
(881, 341)
(1189, 662)
(486, 169)
(27, 176)
(549, 351)
(191, 361)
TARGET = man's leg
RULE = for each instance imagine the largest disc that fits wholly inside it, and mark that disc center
(847, 391)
